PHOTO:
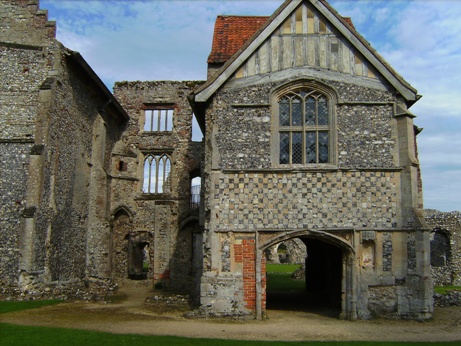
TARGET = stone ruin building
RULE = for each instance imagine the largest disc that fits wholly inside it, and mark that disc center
(445, 238)
(308, 138)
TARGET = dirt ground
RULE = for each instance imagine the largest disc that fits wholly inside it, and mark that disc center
(129, 314)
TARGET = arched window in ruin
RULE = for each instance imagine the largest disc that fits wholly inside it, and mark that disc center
(157, 178)
(121, 227)
(440, 248)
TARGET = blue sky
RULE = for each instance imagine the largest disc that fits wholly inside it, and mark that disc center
(170, 40)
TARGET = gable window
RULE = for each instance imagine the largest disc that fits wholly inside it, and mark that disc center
(158, 119)
(304, 121)
(157, 169)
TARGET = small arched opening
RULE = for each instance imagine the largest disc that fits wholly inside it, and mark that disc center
(121, 228)
(440, 248)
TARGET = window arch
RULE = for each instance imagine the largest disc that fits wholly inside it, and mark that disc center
(304, 127)
(157, 169)
(440, 248)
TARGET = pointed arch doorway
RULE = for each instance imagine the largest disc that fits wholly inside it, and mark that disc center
(329, 272)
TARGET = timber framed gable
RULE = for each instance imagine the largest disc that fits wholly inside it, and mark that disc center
(307, 33)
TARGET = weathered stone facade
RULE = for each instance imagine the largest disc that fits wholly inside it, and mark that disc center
(357, 211)
(96, 194)
(165, 222)
(59, 125)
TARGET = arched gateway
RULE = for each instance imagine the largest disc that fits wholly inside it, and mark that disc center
(329, 268)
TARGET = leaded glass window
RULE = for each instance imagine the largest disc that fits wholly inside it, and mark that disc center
(157, 170)
(304, 128)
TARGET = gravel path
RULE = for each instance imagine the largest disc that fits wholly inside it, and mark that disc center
(132, 315)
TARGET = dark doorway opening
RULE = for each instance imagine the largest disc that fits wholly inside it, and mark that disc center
(138, 260)
(321, 290)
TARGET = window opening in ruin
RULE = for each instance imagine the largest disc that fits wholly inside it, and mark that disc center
(122, 166)
(197, 134)
(304, 128)
(440, 248)
(195, 192)
(307, 277)
(157, 169)
(158, 119)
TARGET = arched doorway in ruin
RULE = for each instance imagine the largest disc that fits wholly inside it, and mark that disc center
(131, 251)
(329, 270)
(138, 257)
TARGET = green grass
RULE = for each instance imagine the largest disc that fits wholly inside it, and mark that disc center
(279, 278)
(283, 283)
(25, 335)
(24, 305)
(445, 289)
(281, 268)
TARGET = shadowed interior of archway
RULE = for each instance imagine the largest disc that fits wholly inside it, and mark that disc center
(323, 277)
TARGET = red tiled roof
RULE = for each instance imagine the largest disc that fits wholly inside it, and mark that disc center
(349, 21)
(231, 33)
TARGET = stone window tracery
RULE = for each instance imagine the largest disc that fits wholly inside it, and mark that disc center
(304, 121)
(157, 169)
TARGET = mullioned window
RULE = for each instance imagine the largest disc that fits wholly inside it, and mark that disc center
(304, 121)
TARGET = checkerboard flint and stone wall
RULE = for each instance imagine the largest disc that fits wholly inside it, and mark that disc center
(248, 201)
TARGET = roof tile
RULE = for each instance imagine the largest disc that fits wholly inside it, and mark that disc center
(231, 33)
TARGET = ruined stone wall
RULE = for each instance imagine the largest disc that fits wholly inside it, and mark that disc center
(22, 22)
(26, 51)
(50, 144)
(23, 71)
(67, 131)
(159, 214)
(448, 226)
(13, 185)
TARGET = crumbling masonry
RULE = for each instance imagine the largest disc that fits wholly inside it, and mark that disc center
(307, 138)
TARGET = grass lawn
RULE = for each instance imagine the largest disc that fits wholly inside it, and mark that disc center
(279, 278)
(445, 289)
(25, 335)
(24, 305)
(281, 268)
(29, 335)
